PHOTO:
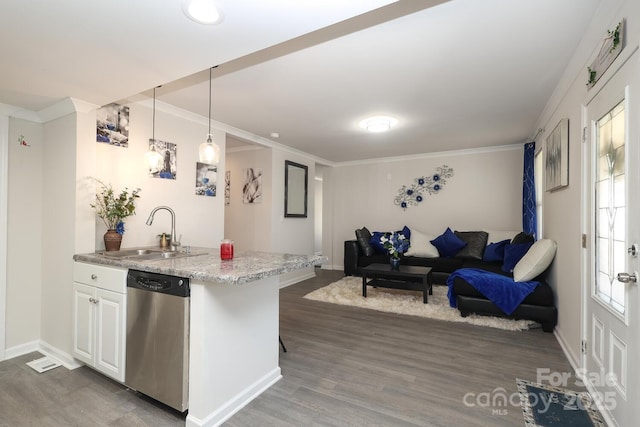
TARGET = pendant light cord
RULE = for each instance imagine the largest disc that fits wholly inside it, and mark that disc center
(153, 123)
(210, 103)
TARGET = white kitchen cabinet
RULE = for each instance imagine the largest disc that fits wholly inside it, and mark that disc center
(99, 318)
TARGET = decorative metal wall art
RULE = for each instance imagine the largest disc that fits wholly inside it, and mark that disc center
(413, 195)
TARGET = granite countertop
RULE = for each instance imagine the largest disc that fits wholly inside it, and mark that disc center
(204, 264)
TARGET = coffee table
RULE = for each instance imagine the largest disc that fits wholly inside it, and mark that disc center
(409, 277)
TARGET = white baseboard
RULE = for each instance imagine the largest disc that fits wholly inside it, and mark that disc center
(21, 349)
(332, 267)
(566, 349)
(54, 353)
(46, 349)
(238, 402)
(297, 279)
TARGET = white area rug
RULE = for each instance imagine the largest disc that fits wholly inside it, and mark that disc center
(348, 291)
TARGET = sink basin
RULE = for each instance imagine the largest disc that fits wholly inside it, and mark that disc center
(145, 254)
(129, 253)
(165, 255)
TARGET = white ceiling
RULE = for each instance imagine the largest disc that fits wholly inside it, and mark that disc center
(457, 74)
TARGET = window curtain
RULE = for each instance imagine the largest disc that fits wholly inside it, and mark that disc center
(529, 222)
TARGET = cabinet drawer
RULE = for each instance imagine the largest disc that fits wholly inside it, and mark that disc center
(110, 278)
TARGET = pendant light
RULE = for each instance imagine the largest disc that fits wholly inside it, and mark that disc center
(209, 151)
(152, 158)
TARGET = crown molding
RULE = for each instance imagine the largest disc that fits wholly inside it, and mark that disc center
(464, 152)
(59, 109)
(265, 142)
(238, 133)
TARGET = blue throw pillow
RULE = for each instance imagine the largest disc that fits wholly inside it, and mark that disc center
(495, 251)
(513, 254)
(448, 244)
(377, 244)
(407, 233)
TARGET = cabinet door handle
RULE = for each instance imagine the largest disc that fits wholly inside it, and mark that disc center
(94, 300)
(94, 277)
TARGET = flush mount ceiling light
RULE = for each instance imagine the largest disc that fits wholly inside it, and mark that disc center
(202, 11)
(378, 124)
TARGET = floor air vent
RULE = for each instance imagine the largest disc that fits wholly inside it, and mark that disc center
(43, 365)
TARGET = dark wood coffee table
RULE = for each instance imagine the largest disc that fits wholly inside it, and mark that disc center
(409, 277)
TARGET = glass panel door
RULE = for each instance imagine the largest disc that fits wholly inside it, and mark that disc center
(610, 196)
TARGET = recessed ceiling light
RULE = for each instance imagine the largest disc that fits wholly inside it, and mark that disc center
(202, 11)
(378, 124)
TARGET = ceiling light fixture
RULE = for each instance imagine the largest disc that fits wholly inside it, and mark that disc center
(209, 152)
(152, 157)
(202, 11)
(378, 124)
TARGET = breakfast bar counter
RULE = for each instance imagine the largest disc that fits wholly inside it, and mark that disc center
(204, 264)
(233, 322)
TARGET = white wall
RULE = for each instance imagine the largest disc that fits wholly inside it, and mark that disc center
(317, 201)
(562, 209)
(327, 216)
(58, 229)
(291, 235)
(484, 193)
(25, 200)
(249, 224)
(50, 218)
(199, 219)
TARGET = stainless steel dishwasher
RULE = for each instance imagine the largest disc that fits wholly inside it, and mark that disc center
(157, 362)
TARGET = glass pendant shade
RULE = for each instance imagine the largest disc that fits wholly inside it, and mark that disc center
(153, 158)
(209, 152)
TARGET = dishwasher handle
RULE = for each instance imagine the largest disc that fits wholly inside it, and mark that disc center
(160, 283)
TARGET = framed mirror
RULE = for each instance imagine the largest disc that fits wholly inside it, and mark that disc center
(295, 189)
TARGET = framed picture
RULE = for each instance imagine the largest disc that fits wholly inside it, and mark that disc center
(112, 125)
(252, 188)
(206, 179)
(557, 157)
(166, 166)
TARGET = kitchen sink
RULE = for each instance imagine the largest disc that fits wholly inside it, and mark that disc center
(128, 253)
(145, 254)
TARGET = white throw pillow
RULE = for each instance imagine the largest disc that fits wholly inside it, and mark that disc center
(420, 245)
(535, 261)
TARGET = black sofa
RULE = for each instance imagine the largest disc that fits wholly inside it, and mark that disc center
(538, 306)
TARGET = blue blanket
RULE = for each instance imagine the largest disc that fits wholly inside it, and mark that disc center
(503, 291)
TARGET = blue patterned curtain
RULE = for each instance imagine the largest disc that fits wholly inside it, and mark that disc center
(529, 191)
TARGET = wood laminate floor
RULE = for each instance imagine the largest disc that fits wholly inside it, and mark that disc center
(344, 367)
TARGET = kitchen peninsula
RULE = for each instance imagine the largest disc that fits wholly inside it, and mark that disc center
(234, 322)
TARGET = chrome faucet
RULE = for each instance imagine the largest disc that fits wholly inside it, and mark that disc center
(174, 241)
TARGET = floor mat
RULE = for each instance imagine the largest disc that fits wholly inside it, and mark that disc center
(547, 406)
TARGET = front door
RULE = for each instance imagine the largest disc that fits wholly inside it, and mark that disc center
(610, 327)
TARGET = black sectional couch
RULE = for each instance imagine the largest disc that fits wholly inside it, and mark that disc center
(538, 306)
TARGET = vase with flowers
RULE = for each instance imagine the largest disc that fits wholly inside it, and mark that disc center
(113, 209)
(395, 244)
